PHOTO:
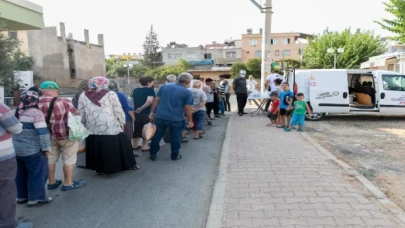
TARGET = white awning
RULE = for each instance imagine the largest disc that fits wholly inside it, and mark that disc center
(365, 65)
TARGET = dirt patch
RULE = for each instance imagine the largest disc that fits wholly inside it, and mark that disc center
(374, 145)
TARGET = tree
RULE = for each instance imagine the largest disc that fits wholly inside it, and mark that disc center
(396, 25)
(254, 66)
(237, 67)
(152, 56)
(7, 47)
(358, 47)
(162, 71)
(22, 62)
(292, 63)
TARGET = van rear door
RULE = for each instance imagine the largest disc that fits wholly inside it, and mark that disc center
(329, 91)
(391, 88)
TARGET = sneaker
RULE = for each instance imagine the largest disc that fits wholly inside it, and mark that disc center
(38, 202)
(300, 130)
(287, 129)
(153, 158)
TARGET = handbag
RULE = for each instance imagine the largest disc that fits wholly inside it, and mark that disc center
(148, 131)
(77, 131)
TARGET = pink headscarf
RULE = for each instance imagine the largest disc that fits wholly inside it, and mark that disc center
(98, 89)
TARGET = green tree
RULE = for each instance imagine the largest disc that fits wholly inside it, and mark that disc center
(152, 56)
(292, 63)
(236, 68)
(7, 49)
(358, 47)
(254, 66)
(396, 25)
(22, 62)
(162, 71)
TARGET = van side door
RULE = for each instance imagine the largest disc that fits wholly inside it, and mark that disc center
(391, 88)
(329, 91)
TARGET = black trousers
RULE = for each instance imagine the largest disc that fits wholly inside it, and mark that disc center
(241, 98)
(227, 102)
(216, 103)
(209, 106)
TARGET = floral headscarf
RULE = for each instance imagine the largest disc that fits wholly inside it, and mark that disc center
(29, 99)
(98, 88)
(99, 83)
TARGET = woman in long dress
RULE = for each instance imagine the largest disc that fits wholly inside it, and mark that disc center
(108, 150)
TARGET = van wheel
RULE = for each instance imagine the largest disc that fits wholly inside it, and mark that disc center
(315, 116)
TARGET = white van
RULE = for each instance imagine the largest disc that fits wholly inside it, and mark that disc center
(349, 91)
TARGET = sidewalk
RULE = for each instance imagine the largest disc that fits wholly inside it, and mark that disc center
(278, 179)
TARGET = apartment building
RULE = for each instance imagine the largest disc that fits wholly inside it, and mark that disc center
(222, 54)
(283, 45)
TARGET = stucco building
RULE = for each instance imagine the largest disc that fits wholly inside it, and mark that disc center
(21, 15)
(288, 45)
(393, 60)
(61, 58)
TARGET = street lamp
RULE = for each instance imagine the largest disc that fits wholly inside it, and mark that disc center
(266, 39)
(129, 67)
(335, 53)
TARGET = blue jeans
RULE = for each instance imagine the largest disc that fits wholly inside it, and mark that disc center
(221, 106)
(199, 117)
(298, 118)
(32, 174)
(176, 129)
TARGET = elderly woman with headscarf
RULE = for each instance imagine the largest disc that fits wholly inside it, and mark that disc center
(108, 149)
(127, 107)
(32, 147)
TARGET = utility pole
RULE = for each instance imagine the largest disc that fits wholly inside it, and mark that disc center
(266, 40)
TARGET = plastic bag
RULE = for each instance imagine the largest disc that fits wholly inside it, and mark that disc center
(76, 129)
(148, 131)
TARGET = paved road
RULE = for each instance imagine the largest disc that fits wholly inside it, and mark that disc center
(164, 193)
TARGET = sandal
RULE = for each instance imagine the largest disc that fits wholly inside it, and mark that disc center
(37, 202)
(147, 150)
(136, 167)
(198, 137)
(54, 186)
(136, 148)
(75, 185)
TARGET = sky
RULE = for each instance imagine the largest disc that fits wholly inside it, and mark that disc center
(125, 23)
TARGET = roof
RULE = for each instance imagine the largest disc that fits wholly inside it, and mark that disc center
(217, 69)
(205, 62)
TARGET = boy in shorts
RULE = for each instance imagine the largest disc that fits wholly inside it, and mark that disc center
(300, 109)
(286, 105)
(273, 113)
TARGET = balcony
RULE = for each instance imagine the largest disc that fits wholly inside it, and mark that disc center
(21, 15)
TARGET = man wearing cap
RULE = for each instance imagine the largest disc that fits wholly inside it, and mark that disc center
(57, 121)
(240, 88)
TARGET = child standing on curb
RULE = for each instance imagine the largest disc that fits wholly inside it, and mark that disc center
(300, 108)
(273, 113)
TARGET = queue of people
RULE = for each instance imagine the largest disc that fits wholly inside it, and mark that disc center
(36, 136)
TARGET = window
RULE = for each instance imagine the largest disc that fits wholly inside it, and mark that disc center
(286, 41)
(258, 54)
(394, 82)
(274, 41)
(12, 35)
(169, 56)
(207, 56)
(253, 42)
(286, 53)
(191, 55)
(277, 53)
(231, 55)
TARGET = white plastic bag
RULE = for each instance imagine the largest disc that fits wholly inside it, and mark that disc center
(76, 129)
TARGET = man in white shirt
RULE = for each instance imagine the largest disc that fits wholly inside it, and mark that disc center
(271, 87)
(251, 85)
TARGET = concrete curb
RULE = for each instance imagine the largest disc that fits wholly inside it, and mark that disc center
(381, 197)
(217, 206)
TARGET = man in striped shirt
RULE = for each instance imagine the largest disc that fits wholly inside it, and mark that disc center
(9, 125)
